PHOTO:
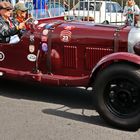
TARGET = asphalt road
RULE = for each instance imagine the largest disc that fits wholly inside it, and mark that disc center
(30, 112)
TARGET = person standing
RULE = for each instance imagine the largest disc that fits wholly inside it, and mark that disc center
(131, 11)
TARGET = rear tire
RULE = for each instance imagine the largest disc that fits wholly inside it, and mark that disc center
(117, 96)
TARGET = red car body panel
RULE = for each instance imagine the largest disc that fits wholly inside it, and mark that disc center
(69, 61)
(120, 56)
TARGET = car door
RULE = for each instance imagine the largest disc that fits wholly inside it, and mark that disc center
(19, 56)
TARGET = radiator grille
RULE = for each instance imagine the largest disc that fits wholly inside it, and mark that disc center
(70, 56)
(93, 55)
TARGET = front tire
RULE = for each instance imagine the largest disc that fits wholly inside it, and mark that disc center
(117, 95)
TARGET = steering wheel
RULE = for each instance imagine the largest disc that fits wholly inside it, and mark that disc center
(30, 23)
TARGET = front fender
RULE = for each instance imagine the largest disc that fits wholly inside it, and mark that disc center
(119, 56)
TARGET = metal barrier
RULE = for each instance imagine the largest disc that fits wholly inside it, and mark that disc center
(103, 11)
(98, 11)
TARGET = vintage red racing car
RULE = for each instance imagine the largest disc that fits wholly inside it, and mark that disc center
(71, 53)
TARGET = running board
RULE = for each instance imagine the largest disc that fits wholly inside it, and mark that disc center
(58, 80)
